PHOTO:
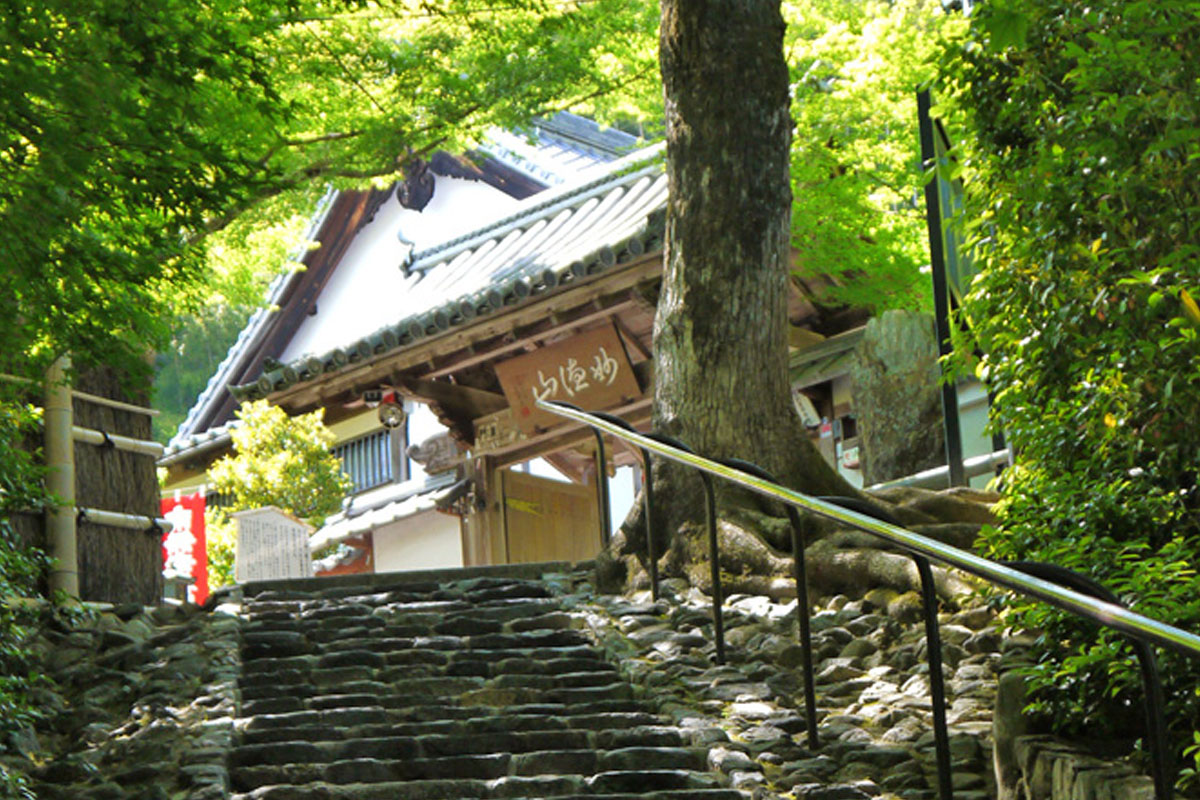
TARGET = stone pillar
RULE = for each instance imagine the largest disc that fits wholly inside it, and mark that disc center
(896, 397)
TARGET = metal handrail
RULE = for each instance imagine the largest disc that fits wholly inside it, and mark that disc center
(1041, 584)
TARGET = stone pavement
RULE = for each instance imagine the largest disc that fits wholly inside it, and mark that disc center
(872, 691)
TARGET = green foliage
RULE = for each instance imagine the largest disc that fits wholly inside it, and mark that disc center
(278, 461)
(281, 461)
(130, 134)
(1082, 162)
(197, 347)
(20, 569)
(220, 537)
(857, 211)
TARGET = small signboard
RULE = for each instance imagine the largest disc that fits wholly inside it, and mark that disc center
(271, 544)
(185, 559)
(589, 370)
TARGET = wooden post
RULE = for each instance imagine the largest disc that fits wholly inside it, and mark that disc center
(60, 481)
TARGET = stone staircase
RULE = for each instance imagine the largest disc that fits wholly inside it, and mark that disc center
(458, 687)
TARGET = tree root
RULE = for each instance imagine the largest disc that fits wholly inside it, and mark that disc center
(755, 548)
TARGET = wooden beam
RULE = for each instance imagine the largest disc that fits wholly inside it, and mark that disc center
(612, 286)
(447, 394)
(524, 340)
(629, 339)
(570, 435)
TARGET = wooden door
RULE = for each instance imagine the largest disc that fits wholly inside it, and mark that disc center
(548, 520)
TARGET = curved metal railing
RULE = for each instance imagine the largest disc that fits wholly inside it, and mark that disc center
(1052, 584)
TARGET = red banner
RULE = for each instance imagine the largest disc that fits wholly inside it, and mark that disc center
(183, 547)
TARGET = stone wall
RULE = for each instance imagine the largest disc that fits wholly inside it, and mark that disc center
(140, 704)
(1051, 769)
(1033, 766)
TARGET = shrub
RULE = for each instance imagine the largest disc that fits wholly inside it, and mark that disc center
(20, 569)
(1081, 156)
(278, 461)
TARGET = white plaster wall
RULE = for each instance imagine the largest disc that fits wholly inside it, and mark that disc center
(421, 425)
(622, 492)
(367, 290)
(429, 540)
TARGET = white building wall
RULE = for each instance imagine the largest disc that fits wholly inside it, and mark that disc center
(367, 290)
(422, 424)
(429, 540)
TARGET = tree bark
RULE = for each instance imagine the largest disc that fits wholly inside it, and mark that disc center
(720, 347)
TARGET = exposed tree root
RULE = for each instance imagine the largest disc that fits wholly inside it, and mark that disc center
(755, 547)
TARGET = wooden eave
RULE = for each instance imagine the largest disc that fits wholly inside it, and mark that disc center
(428, 370)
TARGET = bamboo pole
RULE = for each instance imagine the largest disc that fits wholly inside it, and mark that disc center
(92, 398)
(126, 443)
(117, 519)
(60, 481)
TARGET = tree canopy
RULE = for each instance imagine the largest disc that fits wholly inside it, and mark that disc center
(857, 212)
(130, 133)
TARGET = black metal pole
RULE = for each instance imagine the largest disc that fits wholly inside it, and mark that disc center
(714, 557)
(941, 292)
(602, 477)
(648, 505)
(647, 502)
(937, 683)
(1161, 759)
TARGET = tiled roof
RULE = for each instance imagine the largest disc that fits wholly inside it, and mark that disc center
(558, 236)
(249, 336)
(182, 447)
(379, 507)
(565, 146)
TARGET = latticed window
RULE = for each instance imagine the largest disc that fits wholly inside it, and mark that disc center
(374, 459)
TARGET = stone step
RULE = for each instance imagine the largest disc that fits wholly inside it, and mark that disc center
(407, 657)
(651, 746)
(356, 780)
(377, 652)
(474, 591)
(313, 614)
(430, 663)
(304, 693)
(429, 712)
(480, 688)
(469, 692)
(446, 790)
(452, 737)
(665, 794)
(609, 728)
(292, 639)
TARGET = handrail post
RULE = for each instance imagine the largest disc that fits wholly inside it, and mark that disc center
(1156, 726)
(714, 556)
(602, 477)
(937, 681)
(647, 502)
(648, 505)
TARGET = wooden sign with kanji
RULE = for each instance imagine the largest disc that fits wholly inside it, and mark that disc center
(589, 370)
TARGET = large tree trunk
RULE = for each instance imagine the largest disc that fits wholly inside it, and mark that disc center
(720, 347)
(721, 381)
